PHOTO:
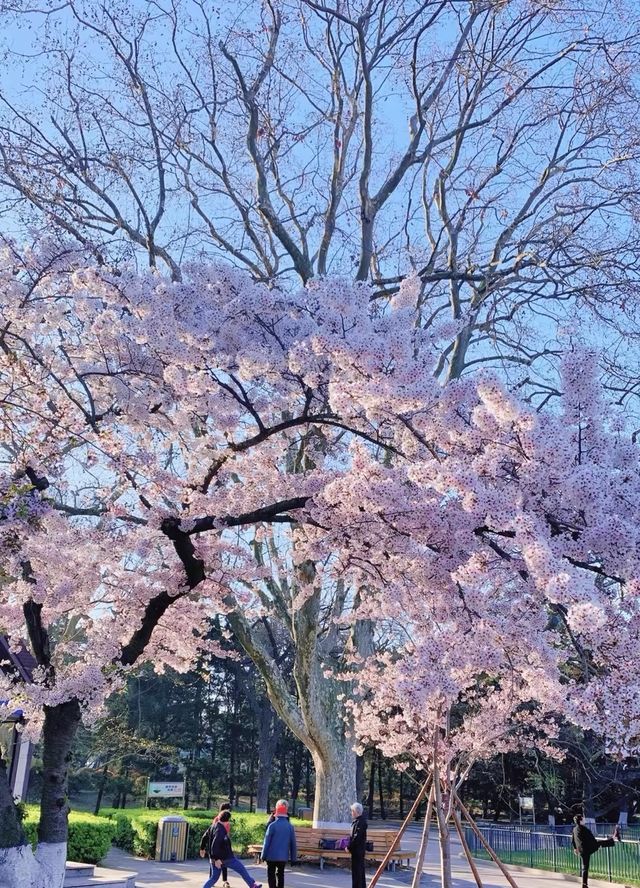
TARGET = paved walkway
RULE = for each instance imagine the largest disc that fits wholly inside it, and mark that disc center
(192, 874)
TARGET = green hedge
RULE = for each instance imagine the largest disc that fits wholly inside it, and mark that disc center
(124, 835)
(136, 829)
(89, 837)
(145, 828)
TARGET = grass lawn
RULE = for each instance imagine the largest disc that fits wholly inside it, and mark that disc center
(619, 864)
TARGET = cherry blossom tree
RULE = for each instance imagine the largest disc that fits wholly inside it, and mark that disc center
(503, 642)
(213, 445)
(484, 152)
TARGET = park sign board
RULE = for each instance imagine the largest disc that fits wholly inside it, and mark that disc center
(165, 790)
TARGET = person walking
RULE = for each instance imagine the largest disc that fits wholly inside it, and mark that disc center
(206, 840)
(279, 845)
(357, 846)
(221, 854)
(585, 844)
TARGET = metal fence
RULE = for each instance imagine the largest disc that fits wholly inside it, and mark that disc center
(600, 829)
(553, 851)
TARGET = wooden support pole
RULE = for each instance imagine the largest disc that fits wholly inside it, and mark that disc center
(403, 826)
(424, 841)
(466, 849)
(486, 845)
(446, 875)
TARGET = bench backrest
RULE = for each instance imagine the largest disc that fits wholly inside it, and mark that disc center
(309, 837)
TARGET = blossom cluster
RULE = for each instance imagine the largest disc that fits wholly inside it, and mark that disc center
(495, 548)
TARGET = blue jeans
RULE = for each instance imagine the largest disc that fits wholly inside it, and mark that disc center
(234, 864)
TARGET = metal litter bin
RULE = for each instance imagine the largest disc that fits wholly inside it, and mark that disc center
(171, 840)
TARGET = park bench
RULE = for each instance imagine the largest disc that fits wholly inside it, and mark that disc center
(308, 842)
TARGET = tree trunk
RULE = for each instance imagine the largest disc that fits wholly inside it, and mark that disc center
(282, 779)
(125, 788)
(383, 813)
(233, 738)
(360, 778)
(19, 866)
(444, 834)
(270, 731)
(103, 783)
(315, 713)
(445, 852)
(187, 789)
(252, 774)
(296, 775)
(588, 805)
(372, 783)
(214, 748)
(335, 784)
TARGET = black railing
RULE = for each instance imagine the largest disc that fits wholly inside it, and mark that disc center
(551, 850)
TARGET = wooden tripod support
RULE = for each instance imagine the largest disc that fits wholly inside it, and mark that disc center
(426, 786)
(492, 854)
(458, 808)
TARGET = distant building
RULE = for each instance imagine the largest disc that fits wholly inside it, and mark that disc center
(15, 748)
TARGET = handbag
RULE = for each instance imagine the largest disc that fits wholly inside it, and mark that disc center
(342, 844)
(327, 844)
(368, 846)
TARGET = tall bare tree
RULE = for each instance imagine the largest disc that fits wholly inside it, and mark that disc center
(490, 147)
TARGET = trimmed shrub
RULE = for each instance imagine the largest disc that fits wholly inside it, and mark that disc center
(247, 831)
(89, 837)
(30, 826)
(144, 835)
(197, 825)
(123, 836)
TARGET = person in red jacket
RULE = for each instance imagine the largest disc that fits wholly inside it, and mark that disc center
(221, 853)
(206, 839)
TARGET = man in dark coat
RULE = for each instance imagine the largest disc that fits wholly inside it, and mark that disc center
(585, 844)
(358, 846)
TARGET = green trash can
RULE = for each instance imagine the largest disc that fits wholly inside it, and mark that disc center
(171, 840)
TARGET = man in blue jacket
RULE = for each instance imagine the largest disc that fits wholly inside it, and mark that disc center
(279, 845)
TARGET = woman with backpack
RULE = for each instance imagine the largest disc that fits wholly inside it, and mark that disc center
(206, 840)
(221, 854)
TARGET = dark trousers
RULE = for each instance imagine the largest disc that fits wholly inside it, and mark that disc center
(275, 873)
(225, 874)
(358, 876)
(602, 843)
